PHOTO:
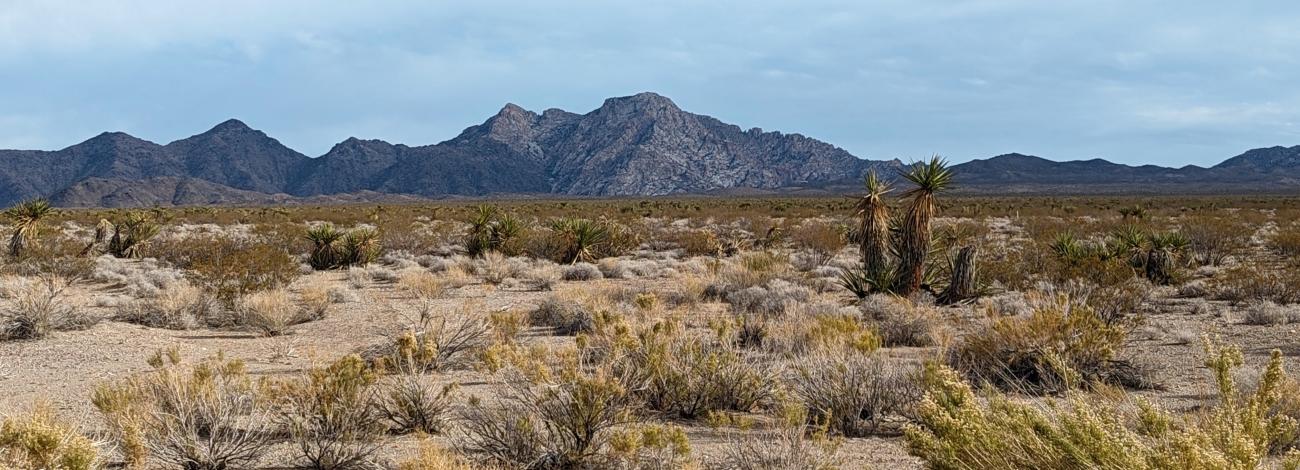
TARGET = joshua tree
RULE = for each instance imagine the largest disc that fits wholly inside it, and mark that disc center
(873, 227)
(27, 219)
(913, 235)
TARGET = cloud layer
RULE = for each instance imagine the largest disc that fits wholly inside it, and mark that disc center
(1171, 82)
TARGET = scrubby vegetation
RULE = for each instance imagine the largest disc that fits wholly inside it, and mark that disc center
(910, 327)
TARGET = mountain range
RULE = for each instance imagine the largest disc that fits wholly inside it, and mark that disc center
(640, 145)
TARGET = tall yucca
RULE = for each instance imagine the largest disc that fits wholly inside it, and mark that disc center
(26, 218)
(913, 242)
(873, 226)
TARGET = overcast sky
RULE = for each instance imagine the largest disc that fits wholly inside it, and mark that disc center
(1172, 83)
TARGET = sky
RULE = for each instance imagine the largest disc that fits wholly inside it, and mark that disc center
(1169, 82)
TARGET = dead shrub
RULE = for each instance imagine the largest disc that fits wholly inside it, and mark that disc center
(790, 445)
(581, 272)
(1269, 313)
(566, 316)
(39, 308)
(900, 322)
(412, 404)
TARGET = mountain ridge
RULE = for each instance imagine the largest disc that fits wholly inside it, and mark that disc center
(638, 145)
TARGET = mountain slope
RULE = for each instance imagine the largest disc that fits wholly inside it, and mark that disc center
(642, 144)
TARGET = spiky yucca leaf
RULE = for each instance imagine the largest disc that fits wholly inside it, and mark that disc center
(131, 233)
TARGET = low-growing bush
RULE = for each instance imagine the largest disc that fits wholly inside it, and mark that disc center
(333, 415)
(581, 272)
(206, 416)
(41, 440)
(412, 404)
(1269, 313)
(39, 308)
(437, 342)
(856, 394)
(790, 445)
(566, 316)
(1247, 283)
(1058, 346)
(690, 376)
(231, 269)
(178, 308)
(566, 421)
(958, 430)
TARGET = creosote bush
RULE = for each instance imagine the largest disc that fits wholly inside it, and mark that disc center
(334, 415)
(1059, 346)
(958, 430)
(565, 421)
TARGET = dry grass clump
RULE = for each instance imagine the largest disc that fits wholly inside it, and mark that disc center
(208, 415)
(1269, 313)
(798, 335)
(695, 242)
(139, 278)
(40, 440)
(39, 308)
(178, 308)
(1286, 241)
(332, 415)
(431, 457)
(1057, 347)
(271, 312)
(960, 431)
(856, 394)
(422, 285)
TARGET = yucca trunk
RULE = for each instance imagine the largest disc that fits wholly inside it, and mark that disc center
(873, 233)
(914, 244)
(961, 284)
(17, 243)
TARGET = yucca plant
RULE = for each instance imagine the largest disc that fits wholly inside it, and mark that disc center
(326, 252)
(913, 236)
(479, 238)
(361, 247)
(581, 237)
(873, 226)
(131, 233)
(27, 218)
(1162, 251)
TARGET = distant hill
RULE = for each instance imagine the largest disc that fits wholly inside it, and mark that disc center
(640, 145)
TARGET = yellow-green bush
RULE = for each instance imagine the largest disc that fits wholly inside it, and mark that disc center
(40, 440)
(958, 430)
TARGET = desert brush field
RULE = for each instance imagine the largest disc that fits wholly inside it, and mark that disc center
(900, 328)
